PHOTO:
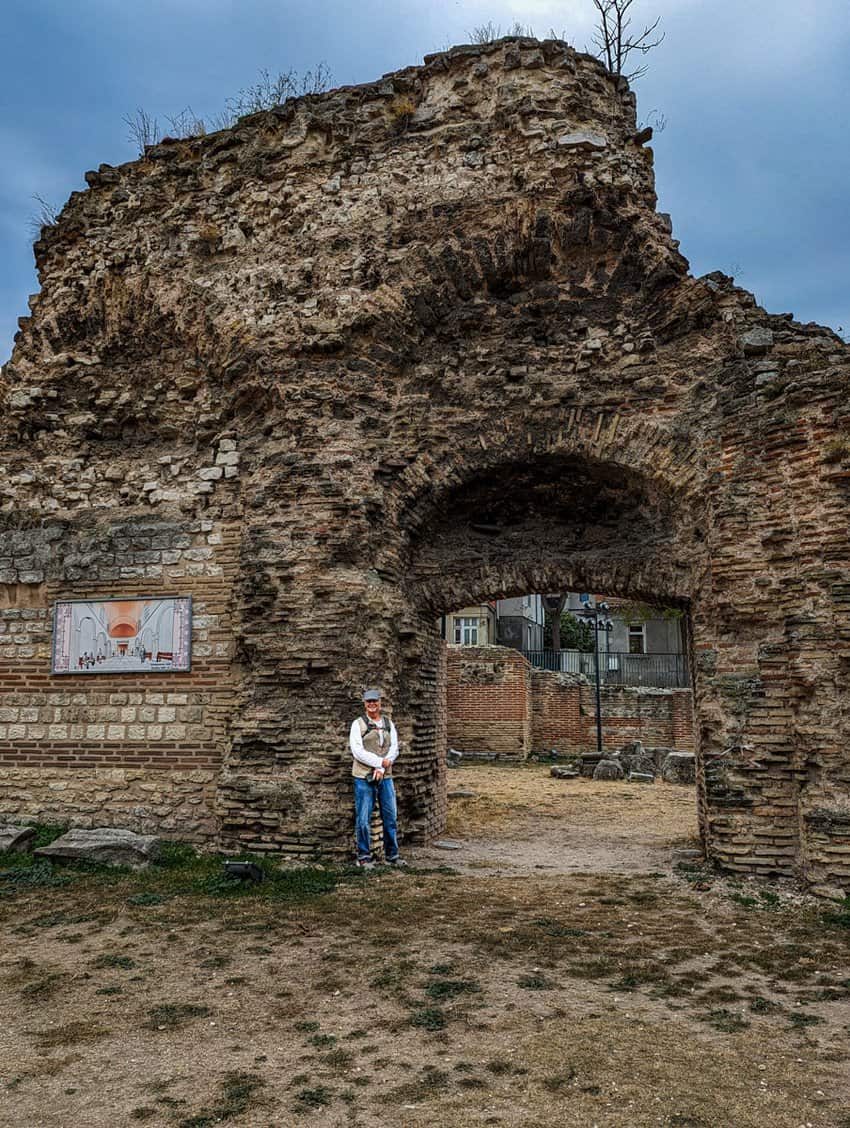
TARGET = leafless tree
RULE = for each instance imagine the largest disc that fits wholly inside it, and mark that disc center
(490, 32)
(271, 90)
(615, 41)
(46, 216)
(186, 124)
(143, 129)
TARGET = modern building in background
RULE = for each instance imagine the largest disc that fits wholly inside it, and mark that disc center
(643, 646)
(518, 622)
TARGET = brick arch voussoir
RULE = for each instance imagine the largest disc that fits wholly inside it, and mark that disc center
(668, 464)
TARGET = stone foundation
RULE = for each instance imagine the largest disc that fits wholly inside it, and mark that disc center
(173, 804)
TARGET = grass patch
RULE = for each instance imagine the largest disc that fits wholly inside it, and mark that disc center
(110, 959)
(238, 1093)
(43, 988)
(28, 872)
(728, 1022)
(450, 988)
(429, 1018)
(760, 1005)
(173, 1016)
(557, 1082)
(840, 918)
(535, 982)
(555, 928)
(429, 1084)
(799, 1020)
(318, 1097)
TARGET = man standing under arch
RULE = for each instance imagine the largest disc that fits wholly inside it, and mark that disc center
(374, 746)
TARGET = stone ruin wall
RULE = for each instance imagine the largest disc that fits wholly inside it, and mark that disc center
(351, 352)
(564, 715)
(488, 702)
(499, 707)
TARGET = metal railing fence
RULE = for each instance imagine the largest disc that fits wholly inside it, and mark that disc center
(662, 671)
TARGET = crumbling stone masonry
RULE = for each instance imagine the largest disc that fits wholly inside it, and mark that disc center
(378, 353)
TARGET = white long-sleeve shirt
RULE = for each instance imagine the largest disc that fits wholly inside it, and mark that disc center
(355, 742)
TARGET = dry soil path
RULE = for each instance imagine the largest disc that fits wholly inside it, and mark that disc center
(521, 820)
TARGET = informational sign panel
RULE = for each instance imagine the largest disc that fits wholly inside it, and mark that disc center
(122, 636)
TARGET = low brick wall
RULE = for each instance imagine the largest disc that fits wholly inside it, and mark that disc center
(139, 751)
(564, 715)
(488, 702)
(498, 706)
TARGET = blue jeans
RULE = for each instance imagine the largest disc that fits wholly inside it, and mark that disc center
(365, 794)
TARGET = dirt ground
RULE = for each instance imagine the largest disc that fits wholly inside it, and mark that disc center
(555, 970)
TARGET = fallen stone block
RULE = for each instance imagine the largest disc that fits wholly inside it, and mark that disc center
(104, 845)
(447, 844)
(679, 767)
(462, 793)
(608, 769)
(453, 758)
(687, 857)
(565, 773)
(16, 837)
(641, 777)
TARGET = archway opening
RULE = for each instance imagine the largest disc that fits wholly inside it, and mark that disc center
(514, 532)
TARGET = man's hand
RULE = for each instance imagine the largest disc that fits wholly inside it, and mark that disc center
(379, 775)
(385, 763)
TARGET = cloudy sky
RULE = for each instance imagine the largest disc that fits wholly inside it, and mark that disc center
(753, 164)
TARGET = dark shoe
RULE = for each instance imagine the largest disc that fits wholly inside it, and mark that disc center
(365, 863)
(398, 862)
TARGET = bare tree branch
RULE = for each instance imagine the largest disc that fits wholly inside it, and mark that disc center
(143, 129)
(614, 40)
(490, 32)
(46, 216)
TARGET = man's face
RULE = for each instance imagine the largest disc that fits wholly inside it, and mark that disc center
(373, 709)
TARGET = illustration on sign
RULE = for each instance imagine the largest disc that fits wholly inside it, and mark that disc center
(122, 636)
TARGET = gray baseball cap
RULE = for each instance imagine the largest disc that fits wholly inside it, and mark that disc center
(371, 695)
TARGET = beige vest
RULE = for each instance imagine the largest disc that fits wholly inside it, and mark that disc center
(371, 743)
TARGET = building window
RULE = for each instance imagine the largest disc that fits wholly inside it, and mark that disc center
(466, 632)
(637, 638)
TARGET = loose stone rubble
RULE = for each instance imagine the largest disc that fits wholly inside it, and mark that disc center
(16, 838)
(350, 365)
(679, 767)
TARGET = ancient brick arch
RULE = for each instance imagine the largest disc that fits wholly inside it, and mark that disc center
(287, 369)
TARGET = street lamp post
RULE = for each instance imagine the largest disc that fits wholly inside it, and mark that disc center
(596, 616)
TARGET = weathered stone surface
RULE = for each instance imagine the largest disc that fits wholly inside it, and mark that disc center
(564, 773)
(105, 845)
(679, 767)
(358, 349)
(608, 769)
(757, 341)
(462, 793)
(16, 838)
(582, 139)
(641, 777)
